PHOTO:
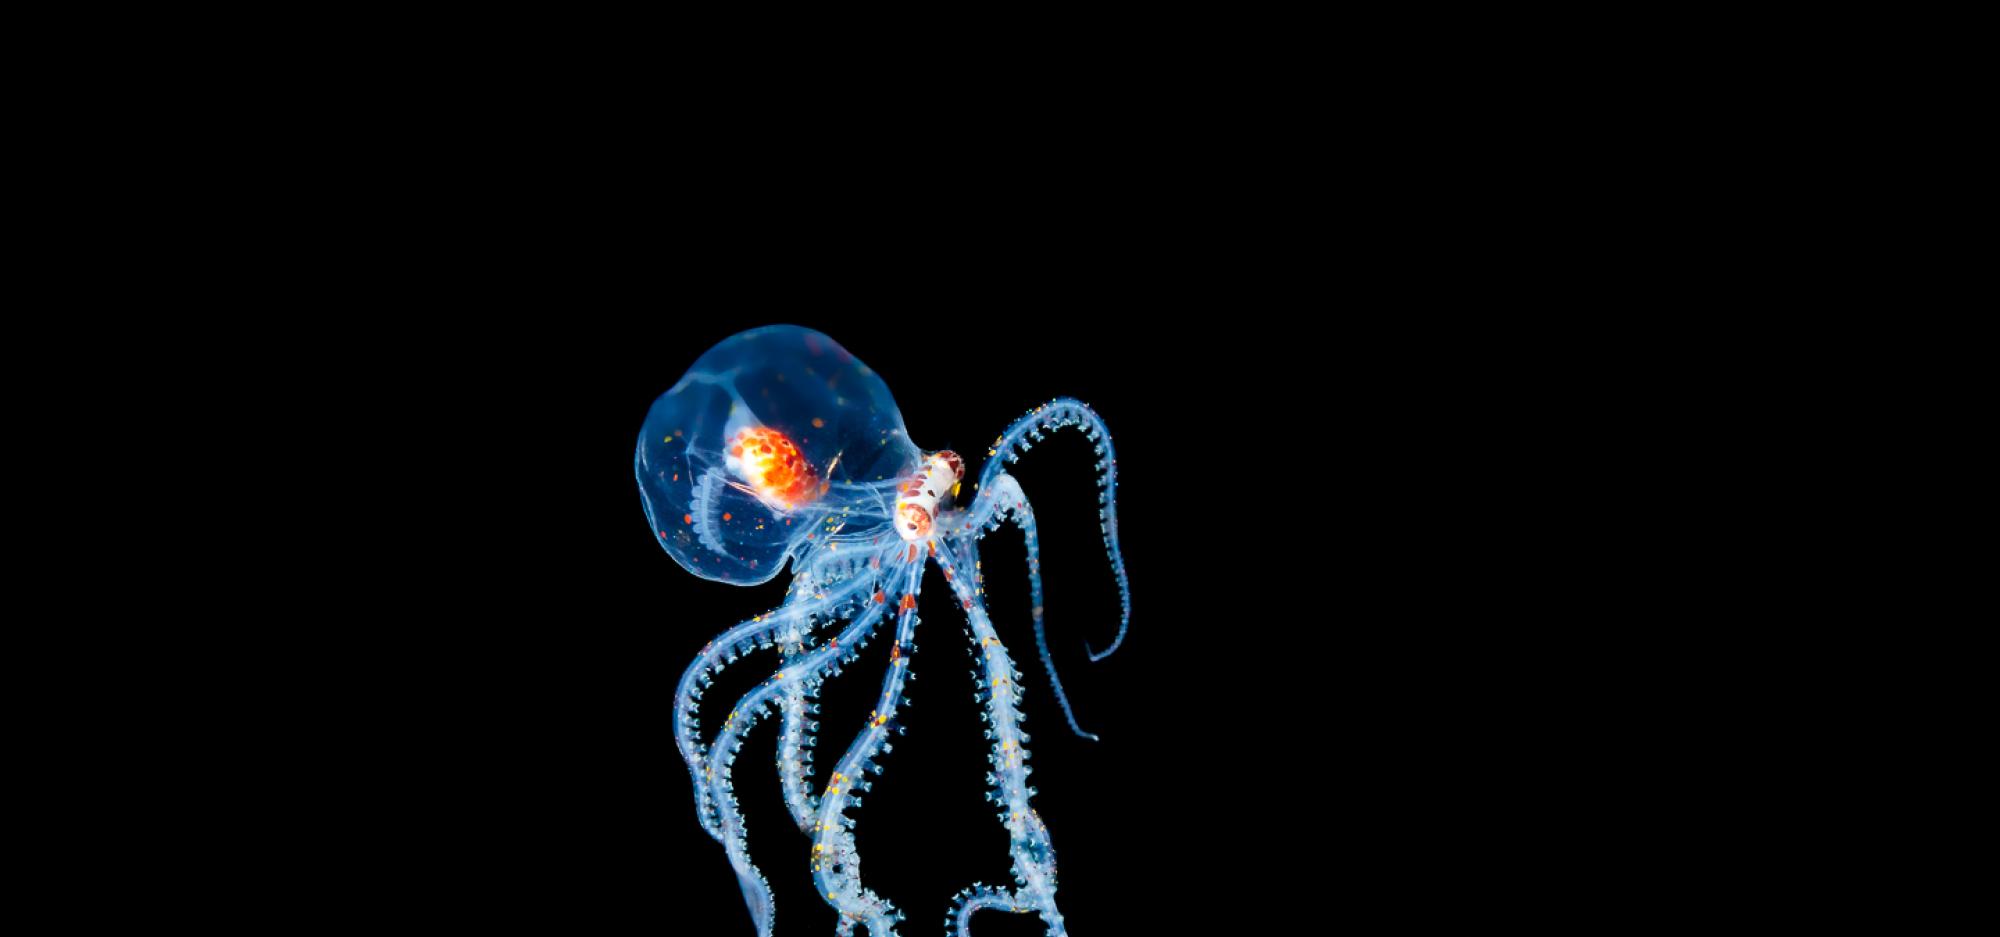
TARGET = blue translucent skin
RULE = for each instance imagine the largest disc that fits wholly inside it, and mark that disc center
(782, 377)
(851, 573)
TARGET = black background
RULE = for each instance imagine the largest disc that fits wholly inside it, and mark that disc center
(1174, 817)
(1311, 706)
(1148, 801)
(1361, 404)
(1347, 606)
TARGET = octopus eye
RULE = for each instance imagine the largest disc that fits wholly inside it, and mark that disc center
(914, 520)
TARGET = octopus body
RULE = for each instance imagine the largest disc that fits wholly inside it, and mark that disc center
(778, 447)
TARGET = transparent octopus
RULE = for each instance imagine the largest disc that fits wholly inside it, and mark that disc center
(778, 444)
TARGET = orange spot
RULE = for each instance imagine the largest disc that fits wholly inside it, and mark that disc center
(725, 515)
(913, 547)
(879, 598)
(774, 467)
(909, 602)
(933, 547)
(818, 423)
(687, 518)
(915, 518)
(968, 605)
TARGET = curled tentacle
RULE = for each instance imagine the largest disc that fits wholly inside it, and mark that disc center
(1033, 853)
(835, 860)
(1028, 430)
(759, 632)
(810, 668)
(979, 898)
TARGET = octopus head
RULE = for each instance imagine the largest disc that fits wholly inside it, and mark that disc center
(774, 443)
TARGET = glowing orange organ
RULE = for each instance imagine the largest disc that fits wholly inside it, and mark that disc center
(774, 467)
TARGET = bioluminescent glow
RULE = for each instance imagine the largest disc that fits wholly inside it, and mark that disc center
(780, 445)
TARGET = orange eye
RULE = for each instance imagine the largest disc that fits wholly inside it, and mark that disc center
(774, 468)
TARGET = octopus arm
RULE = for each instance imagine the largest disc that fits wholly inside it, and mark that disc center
(958, 920)
(998, 503)
(835, 859)
(759, 632)
(811, 668)
(1028, 430)
(1032, 852)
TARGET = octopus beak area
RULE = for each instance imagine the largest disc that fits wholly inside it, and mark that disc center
(917, 500)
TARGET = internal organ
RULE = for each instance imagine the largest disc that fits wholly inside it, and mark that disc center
(773, 467)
